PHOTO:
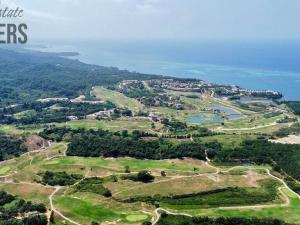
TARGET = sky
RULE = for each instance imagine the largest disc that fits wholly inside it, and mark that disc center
(160, 19)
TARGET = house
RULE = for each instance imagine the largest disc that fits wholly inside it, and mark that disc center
(153, 117)
(72, 117)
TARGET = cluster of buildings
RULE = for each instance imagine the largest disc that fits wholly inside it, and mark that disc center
(131, 84)
(80, 99)
(180, 85)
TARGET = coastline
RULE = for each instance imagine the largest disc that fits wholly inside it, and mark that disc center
(249, 78)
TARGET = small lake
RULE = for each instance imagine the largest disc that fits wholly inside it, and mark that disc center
(213, 117)
(253, 100)
(205, 118)
(229, 113)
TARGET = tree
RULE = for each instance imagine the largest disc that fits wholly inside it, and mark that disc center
(124, 133)
(146, 223)
(163, 173)
(95, 223)
(127, 169)
(52, 219)
(145, 176)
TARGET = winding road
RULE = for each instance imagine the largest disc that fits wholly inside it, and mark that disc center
(284, 195)
(158, 211)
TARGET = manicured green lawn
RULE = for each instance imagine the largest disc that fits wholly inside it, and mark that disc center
(119, 164)
(117, 98)
(86, 211)
(12, 130)
(4, 170)
(108, 125)
(136, 218)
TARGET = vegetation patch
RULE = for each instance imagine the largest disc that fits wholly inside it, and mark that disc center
(59, 178)
(91, 143)
(143, 176)
(286, 131)
(232, 196)
(10, 147)
(4, 170)
(284, 157)
(294, 105)
(14, 210)
(93, 185)
(179, 220)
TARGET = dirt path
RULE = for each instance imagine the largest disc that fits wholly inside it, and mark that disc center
(283, 182)
(171, 179)
(246, 128)
(285, 197)
(286, 203)
(158, 214)
(59, 156)
(55, 210)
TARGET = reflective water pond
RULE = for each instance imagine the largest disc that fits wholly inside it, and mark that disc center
(205, 118)
(229, 113)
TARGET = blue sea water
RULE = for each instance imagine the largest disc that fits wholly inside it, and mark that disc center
(257, 65)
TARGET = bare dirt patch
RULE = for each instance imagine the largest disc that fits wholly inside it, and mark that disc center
(291, 139)
(35, 142)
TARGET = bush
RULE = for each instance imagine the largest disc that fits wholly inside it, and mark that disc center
(59, 178)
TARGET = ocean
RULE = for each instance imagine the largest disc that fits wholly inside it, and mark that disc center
(255, 65)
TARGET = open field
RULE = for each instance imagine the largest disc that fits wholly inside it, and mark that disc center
(30, 192)
(229, 140)
(117, 98)
(13, 130)
(186, 185)
(252, 121)
(114, 125)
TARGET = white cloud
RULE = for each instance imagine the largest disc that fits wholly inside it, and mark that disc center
(149, 8)
(161, 18)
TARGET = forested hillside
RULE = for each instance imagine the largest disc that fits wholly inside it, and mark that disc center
(27, 76)
(281, 156)
(179, 220)
(294, 105)
(10, 147)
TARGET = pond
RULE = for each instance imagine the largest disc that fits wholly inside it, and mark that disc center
(205, 118)
(229, 112)
(216, 116)
(254, 100)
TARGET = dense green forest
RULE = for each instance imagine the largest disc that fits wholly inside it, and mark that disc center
(95, 143)
(10, 147)
(284, 157)
(294, 105)
(180, 220)
(26, 76)
(16, 211)
(41, 112)
(91, 145)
